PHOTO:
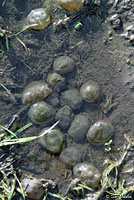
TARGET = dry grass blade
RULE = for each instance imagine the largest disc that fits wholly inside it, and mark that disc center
(21, 188)
(57, 196)
(9, 131)
(6, 142)
(114, 166)
(86, 187)
(9, 93)
(13, 134)
(7, 44)
(2, 197)
(3, 3)
(24, 29)
(45, 132)
(20, 130)
(17, 141)
(12, 190)
(23, 44)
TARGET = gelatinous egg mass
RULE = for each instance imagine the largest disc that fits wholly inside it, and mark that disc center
(100, 132)
(52, 141)
(71, 5)
(40, 112)
(90, 91)
(33, 188)
(38, 19)
(87, 173)
(36, 90)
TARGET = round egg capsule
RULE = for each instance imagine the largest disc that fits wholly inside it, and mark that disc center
(56, 81)
(52, 141)
(100, 132)
(33, 188)
(90, 91)
(87, 173)
(40, 112)
(38, 19)
(36, 90)
(71, 5)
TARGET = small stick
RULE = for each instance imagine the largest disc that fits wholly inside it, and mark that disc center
(23, 44)
(9, 93)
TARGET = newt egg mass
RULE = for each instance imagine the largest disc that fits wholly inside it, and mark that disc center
(52, 141)
(40, 112)
(90, 91)
(87, 173)
(71, 5)
(38, 19)
(100, 132)
(35, 90)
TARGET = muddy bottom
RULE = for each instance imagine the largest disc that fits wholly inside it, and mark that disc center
(97, 57)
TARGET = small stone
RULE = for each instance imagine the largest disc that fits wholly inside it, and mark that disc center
(116, 21)
(72, 98)
(79, 127)
(70, 156)
(65, 115)
(64, 64)
(53, 100)
(132, 39)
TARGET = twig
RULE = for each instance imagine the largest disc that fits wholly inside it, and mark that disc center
(9, 93)
(23, 44)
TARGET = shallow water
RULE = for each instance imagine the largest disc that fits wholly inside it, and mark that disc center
(97, 58)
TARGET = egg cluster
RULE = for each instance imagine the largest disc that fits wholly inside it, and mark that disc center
(46, 108)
